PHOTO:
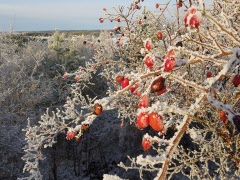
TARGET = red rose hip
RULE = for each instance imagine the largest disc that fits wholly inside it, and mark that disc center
(236, 80)
(142, 120)
(156, 121)
(146, 144)
(125, 82)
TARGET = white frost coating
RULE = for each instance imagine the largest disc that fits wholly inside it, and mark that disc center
(150, 160)
(89, 120)
(199, 136)
(192, 133)
(155, 139)
(226, 108)
(192, 109)
(105, 102)
(111, 177)
(165, 108)
(225, 68)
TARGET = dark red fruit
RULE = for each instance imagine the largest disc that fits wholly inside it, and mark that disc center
(236, 80)
(158, 84)
(209, 74)
(119, 79)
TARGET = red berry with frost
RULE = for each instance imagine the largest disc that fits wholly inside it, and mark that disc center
(169, 64)
(148, 44)
(142, 120)
(195, 21)
(65, 76)
(190, 11)
(77, 79)
(146, 144)
(157, 5)
(144, 101)
(156, 121)
(84, 42)
(125, 82)
(149, 60)
(192, 18)
(133, 88)
(71, 134)
(236, 80)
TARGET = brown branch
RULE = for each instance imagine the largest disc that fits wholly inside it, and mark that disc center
(223, 29)
(217, 44)
(171, 151)
(176, 141)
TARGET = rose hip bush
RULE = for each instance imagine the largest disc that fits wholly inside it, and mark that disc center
(156, 73)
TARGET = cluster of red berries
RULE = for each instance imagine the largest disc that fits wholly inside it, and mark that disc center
(153, 119)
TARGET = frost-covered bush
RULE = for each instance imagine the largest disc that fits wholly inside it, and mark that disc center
(170, 79)
(30, 80)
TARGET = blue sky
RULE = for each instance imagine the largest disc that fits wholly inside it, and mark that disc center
(37, 15)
